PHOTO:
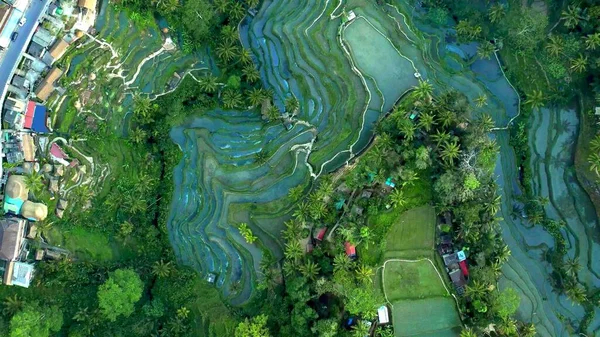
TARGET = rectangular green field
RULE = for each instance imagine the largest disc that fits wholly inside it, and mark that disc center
(412, 280)
(412, 230)
(427, 317)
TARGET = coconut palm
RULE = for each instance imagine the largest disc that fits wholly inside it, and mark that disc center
(426, 121)
(251, 73)
(252, 3)
(347, 233)
(485, 50)
(594, 160)
(595, 144)
(11, 305)
(162, 268)
(230, 33)
(397, 198)
(227, 51)
(555, 45)
(440, 137)
(503, 254)
(572, 266)
(481, 100)
(450, 151)
(476, 289)
(485, 122)
(302, 212)
(341, 262)
(221, 5)
(138, 135)
(528, 330)
(292, 231)
(293, 251)
(406, 128)
(535, 99)
(142, 107)
(310, 270)
(208, 83)
(245, 56)
(571, 16)
(576, 293)
(232, 98)
(493, 206)
(360, 330)
(364, 274)
(317, 210)
(423, 90)
(256, 96)
(34, 183)
(592, 41)
(273, 113)
(261, 157)
(291, 104)
(468, 332)
(579, 64)
(236, 11)
(496, 13)
(447, 118)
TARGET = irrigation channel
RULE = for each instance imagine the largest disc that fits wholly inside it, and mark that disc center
(346, 74)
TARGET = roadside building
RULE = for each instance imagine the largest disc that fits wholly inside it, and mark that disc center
(10, 26)
(36, 118)
(12, 238)
(20, 82)
(46, 86)
(458, 280)
(5, 11)
(42, 37)
(87, 4)
(35, 50)
(58, 49)
(28, 146)
(13, 112)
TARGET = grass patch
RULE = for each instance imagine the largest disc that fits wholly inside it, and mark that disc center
(429, 317)
(212, 318)
(412, 280)
(412, 230)
(87, 244)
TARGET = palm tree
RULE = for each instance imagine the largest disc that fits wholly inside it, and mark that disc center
(426, 121)
(468, 332)
(485, 122)
(236, 11)
(528, 330)
(440, 137)
(310, 270)
(555, 45)
(595, 144)
(485, 50)
(34, 183)
(406, 128)
(291, 104)
(317, 210)
(138, 135)
(503, 254)
(571, 16)
(301, 213)
(535, 99)
(226, 51)
(496, 13)
(292, 231)
(364, 274)
(221, 5)
(208, 83)
(572, 266)
(142, 107)
(481, 100)
(341, 262)
(162, 268)
(293, 251)
(397, 198)
(450, 151)
(256, 96)
(576, 293)
(594, 160)
(360, 330)
(592, 41)
(447, 117)
(229, 33)
(493, 206)
(252, 3)
(579, 64)
(12, 305)
(232, 99)
(251, 73)
(476, 289)
(245, 56)
(261, 157)
(273, 113)
(423, 90)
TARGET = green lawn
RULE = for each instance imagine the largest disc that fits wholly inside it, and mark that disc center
(424, 318)
(412, 280)
(411, 230)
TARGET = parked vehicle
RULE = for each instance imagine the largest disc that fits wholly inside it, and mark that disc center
(22, 22)
(14, 36)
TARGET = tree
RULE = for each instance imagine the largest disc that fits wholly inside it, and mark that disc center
(481, 100)
(572, 266)
(422, 158)
(555, 45)
(423, 90)
(34, 321)
(363, 301)
(592, 41)
(197, 18)
(256, 96)
(33, 181)
(426, 121)
(11, 305)
(397, 198)
(251, 73)
(226, 51)
(595, 144)
(247, 233)
(162, 268)
(293, 251)
(579, 64)
(571, 16)
(485, 50)
(364, 274)
(232, 98)
(118, 295)
(361, 329)
(221, 6)
(291, 104)
(467, 31)
(341, 262)
(138, 136)
(594, 160)
(440, 137)
(450, 151)
(310, 270)
(236, 10)
(229, 33)
(535, 99)
(496, 13)
(245, 56)
(468, 332)
(507, 303)
(273, 113)
(208, 83)
(255, 327)
(576, 293)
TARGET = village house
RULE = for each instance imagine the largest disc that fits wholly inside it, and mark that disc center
(16, 201)
(36, 118)
(46, 86)
(12, 245)
(58, 49)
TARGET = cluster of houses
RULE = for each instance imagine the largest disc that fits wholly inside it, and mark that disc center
(25, 136)
(454, 259)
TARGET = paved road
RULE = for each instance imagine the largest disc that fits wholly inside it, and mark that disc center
(16, 48)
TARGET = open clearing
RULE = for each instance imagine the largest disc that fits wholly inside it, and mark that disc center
(412, 280)
(434, 316)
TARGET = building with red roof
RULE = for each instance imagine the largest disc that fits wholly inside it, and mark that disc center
(36, 117)
(321, 234)
(350, 249)
(464, 267)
